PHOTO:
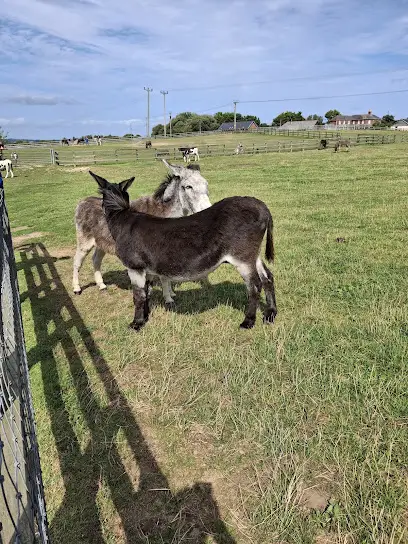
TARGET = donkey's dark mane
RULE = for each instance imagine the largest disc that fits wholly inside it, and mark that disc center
(159, 192)
(113, 202)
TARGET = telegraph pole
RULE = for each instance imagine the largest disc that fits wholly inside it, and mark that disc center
(235, 115)
(164, 109)
(170, 122)
(148, 110)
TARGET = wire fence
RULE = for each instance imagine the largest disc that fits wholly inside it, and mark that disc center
(23, 516)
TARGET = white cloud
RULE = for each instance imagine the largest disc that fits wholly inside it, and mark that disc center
(103, 55)
(13, 122)
(32, 100)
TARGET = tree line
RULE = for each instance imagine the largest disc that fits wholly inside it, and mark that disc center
(193, 122)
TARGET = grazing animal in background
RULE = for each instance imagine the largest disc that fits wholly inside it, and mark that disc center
(239, 149)
(323, 144)
(189, 152)
(229, 231)
(7, 165)
(178, 195)
(14, 157)
(148, 144)
(342, 143)
(64, 141)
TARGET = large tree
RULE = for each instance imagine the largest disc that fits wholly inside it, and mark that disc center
(286, 116)
(387, 120)
(331, 114)
(315, 117)
(228, 117)
(3, 134)
(158, 130)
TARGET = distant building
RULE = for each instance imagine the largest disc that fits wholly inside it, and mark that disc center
(299, 125)
(366, 119)
(241, 126)
(401, 124)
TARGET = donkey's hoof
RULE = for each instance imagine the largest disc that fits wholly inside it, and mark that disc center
(170, 306)
(247, 323)
(102, 287)
(269, 317)
(136, 325)
(76, 292)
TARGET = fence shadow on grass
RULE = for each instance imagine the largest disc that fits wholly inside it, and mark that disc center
(152, 513)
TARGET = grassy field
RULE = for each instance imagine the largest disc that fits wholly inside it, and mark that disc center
(291, 433)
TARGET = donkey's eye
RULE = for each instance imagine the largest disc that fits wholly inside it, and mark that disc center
(187, 187)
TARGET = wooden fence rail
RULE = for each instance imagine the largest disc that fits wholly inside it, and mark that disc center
(81, 156)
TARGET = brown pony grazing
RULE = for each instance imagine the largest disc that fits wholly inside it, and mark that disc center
(342, 143)
(229, 231)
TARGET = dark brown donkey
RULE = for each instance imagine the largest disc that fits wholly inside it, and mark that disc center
(189, 248)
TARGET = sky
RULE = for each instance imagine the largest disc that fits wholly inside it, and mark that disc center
(75, 67)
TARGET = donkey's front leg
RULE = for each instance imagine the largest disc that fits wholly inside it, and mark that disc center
(140, 298)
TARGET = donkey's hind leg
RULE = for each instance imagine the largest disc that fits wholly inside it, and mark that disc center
(97, 257)
(254, 285)
(84, 246)
(268, 285)
(168, 292)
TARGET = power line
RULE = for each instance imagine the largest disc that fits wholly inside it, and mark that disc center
(321, 97)
(299, 78)
(202, 111)
(216, 107)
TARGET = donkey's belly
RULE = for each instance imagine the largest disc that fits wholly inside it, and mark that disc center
(191, 272)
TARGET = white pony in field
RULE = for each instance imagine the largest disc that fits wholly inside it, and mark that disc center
(7, 165)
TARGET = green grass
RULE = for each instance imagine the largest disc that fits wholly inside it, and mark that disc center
(276, 420)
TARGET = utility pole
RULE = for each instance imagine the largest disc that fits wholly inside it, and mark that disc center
(164, 109)
(235, 115)
(148, 110)
(170, 122)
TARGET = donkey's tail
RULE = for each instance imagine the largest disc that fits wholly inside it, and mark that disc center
(269, 250)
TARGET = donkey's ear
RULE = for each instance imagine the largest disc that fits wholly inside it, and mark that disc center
(124, 185)
(176, 170)
(102, 182)
(194, 166)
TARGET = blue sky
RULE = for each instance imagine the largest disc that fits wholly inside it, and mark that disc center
(71, 67)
